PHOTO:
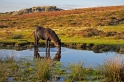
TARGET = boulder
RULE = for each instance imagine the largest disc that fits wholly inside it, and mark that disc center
(36, 9)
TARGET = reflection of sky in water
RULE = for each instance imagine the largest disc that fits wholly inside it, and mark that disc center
(67, 55)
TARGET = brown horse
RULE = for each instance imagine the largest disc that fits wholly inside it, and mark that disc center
(48, 35)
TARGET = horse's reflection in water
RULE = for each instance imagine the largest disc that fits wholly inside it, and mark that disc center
(56, 57)
(51, 61)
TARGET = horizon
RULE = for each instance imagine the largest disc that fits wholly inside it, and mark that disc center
(62, 8)
(14, 5)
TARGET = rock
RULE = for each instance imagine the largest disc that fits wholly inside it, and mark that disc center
(36, 9)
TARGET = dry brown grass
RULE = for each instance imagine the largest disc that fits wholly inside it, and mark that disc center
(113, 69)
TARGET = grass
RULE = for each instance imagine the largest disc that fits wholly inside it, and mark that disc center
(78, 72)
(93, 40)
(117, 28)
(67, 35)
(22, 70)
(113, 69)
(43, 70)
(48, 70)
(3, 73)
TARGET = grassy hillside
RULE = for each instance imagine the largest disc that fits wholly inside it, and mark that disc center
(68, 24)
(89, 17)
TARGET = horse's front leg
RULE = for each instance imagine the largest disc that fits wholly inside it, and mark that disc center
(49, 46)
(46, 46)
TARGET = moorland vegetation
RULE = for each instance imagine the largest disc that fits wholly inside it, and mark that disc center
(88, 26)
(98, 25)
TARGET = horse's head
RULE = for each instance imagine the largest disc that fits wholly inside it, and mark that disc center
(58, 44)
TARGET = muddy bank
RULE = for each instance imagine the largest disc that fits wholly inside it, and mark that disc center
(97, 48)
(84, 46)
(21, 46)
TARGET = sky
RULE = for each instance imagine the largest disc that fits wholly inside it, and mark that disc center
(15, 5)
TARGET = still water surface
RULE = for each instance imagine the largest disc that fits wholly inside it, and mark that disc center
(67, 55)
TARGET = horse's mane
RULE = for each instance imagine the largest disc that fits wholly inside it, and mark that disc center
(52, 35)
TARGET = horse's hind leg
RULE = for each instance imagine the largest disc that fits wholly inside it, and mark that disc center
(36, 54)
(35, 40)
(35, 46)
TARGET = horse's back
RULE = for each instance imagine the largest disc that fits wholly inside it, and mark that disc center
(40, 32)
(46, 33)
(51, 33)
(38, 28)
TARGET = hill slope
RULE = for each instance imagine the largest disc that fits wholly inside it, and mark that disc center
(99, 16)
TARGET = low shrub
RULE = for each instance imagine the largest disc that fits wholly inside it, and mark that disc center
(119, 35)
(3, 73)
(17, 36)
(43, 70)
(89, 32)
(77, 71)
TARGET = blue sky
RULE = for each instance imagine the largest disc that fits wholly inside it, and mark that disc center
(14, 5)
